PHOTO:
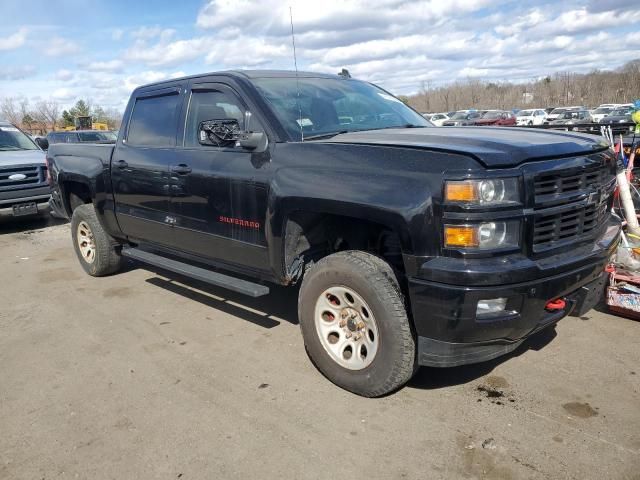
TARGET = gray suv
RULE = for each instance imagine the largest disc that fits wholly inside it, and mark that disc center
(24, 189)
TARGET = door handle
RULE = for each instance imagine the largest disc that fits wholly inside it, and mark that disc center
(181, 169)
(122, 164)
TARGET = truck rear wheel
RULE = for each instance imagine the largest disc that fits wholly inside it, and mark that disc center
(95, 249)
(354, 323)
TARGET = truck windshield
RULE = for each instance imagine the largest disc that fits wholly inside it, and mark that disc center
(13, 139)
(317, 106)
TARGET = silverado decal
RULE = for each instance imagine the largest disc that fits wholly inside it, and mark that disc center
(239, 221)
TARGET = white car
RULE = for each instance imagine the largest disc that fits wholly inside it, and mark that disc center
(531, 116)
(601, 112)
(438, 118)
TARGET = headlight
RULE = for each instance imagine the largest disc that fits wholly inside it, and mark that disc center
(489, 192)
(483, 236)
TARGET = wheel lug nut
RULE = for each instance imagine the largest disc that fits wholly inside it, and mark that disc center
(357, 337)
(348, 335)
(360, 326)
(343, 323)
(354, 314)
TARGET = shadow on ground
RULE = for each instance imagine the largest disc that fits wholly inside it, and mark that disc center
(267, 311)
(281, 304)
(10, 224)
(428, 378)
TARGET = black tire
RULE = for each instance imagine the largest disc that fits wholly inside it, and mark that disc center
(372, 279)
(106, 258)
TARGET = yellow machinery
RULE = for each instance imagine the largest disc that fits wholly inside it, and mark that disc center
(86, 123)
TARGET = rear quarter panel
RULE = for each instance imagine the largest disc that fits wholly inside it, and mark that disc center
(88, 164)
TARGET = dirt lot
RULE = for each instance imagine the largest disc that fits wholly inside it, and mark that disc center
(141, 376)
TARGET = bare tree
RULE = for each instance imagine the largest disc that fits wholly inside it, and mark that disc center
(9, 110)
(562, 89)
(49, 111)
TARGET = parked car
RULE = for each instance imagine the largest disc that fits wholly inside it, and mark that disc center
(496, 118)
(558, 112)
(619, 115)
(601, 112)
(572, 117)
(82, 136)
(413, 245)
(438, 119)
(532, 116)
(462, 118)
(23, 174)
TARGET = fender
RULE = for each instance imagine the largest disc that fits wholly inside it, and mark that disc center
(401, 204)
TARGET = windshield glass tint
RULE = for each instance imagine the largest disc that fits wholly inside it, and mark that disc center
(492, 115)
(620, 111)
(525, 113)
(13, 139)
(602, 110)
(317, 106)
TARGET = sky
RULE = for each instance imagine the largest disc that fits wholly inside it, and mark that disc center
(101, 50)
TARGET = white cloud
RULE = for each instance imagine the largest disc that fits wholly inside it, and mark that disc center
(17, 72)
(14, 40)
(58, 46)
(63, 94)
(107, 66)
(64, 75)
(396, 43)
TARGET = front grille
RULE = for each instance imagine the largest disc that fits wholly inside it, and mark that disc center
(571, 204)
(34, 175)
(559, 184)
(562, 228)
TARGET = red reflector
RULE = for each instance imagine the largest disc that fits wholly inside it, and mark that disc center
(558, 304)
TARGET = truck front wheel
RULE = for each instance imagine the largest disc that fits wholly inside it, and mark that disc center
(95, 249)
(354, 323)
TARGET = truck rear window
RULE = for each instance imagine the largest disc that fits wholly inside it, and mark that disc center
(153, 121)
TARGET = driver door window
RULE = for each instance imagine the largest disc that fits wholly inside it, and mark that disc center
(210, 105)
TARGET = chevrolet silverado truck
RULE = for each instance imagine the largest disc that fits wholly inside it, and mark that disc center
(411, 245)
(24, 189)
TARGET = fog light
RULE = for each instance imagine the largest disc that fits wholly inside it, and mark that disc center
(491, 306)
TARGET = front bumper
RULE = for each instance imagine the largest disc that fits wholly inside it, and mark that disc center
(444, 313)
(40, 196)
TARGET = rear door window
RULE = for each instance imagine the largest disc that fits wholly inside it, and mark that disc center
(153, 121)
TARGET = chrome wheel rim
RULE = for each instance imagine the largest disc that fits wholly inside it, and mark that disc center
(346, 327)
(86, 242)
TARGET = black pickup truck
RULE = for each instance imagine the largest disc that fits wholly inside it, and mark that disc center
(412, 245)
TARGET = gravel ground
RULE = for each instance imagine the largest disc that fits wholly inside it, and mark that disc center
(142, 375)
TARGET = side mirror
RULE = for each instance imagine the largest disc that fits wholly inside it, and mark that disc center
(219, 133)
(43, 143)
(255, 141)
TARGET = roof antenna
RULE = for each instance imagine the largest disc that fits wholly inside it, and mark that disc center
(295, 63)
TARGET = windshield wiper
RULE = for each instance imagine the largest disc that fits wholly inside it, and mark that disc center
(325, 135)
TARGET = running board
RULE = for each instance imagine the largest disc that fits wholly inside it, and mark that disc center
(214, 278)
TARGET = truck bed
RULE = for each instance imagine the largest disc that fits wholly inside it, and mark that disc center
(80, 152)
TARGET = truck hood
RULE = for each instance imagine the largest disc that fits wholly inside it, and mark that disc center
(492, 146)
(21, 157)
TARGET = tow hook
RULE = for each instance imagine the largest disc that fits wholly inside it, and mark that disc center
(554, 305)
